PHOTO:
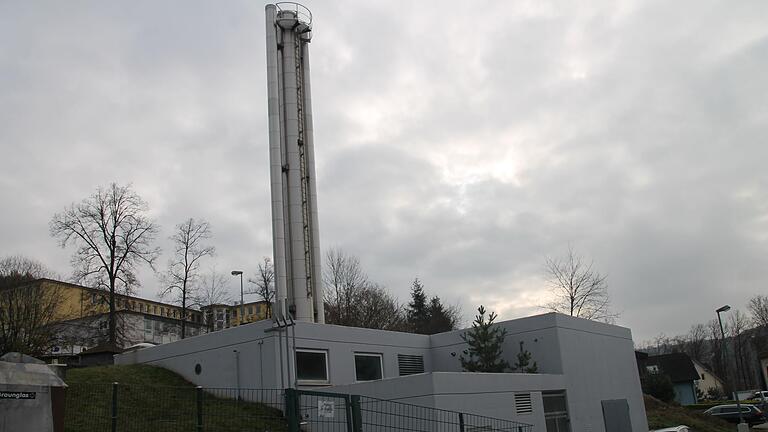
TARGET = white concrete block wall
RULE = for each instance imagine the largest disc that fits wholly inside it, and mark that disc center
(599, 364)
(593, 362)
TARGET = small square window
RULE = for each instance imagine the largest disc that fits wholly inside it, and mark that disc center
(368, 367)
(312, 366)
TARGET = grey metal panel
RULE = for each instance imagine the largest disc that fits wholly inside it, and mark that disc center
(616, 415)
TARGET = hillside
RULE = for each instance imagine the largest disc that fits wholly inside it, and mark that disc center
(153, 398)
(662, 415)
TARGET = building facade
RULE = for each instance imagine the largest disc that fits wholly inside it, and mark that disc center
(708, 383)
(588, 374)
(81, 319)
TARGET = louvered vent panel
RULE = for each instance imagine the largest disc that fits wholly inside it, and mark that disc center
(523, 403)
(410, 364)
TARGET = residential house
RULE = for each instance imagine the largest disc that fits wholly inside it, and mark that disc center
(680, 369)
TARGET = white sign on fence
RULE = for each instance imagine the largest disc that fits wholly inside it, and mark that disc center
(325, 408)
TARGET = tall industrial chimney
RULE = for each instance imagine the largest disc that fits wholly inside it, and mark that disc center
(295, 232)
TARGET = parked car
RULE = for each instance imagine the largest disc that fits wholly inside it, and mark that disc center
(681, 428)
(760, 395)
(750, 413)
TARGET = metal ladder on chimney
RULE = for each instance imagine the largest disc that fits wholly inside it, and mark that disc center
(303, 166)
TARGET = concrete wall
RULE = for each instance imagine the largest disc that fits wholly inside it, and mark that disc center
(598, 364)
(343, 342)
(538, 334)
(491, 395)
(594, 362)
(596, 359)
(215, 353)
(260, 353)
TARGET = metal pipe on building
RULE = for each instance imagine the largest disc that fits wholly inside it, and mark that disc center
(275, 163)
(317, 277)
(295, 231)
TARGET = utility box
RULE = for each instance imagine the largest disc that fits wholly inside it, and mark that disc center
(31, 395)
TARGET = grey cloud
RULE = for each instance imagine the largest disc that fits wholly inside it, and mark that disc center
(460, 145)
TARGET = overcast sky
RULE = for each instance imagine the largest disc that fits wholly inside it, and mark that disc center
(461, 145)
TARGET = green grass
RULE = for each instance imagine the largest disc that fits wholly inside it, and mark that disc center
(155, 399)
(662, 415)
(129, 375)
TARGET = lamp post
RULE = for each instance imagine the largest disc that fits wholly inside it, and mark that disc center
(720, 310)
(242, 309)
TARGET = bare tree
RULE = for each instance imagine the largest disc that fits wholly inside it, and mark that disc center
(719, 361)
(739, 323)
(578, 288)
(695, 344)
(181, 278)
(27, 310)
(351, 299)
(378, 309)
(113, 237)
(21, 265)
(212, 291)
(758, 308)
(343, 277)
(265, 283)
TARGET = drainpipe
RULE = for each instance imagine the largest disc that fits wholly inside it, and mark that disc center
(261, 364)
(237, 372)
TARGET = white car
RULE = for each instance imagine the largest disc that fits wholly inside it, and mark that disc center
(681, 428)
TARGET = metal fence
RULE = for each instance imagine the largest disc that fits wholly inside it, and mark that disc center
(126, 408)
(380, 415)
(332, 412)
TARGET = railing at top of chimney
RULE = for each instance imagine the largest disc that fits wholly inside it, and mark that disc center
(302, 13)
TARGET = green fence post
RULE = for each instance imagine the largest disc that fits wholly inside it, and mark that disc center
(348, 412)
(357, 417)
(114, 407)
(461, 422)
(292, 409)
(199, 400)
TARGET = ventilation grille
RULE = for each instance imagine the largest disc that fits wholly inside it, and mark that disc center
(410, 364)
(523, 403)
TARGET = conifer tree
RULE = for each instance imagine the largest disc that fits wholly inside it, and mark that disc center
(523, 363)
(418, 310)
(485, 345)
(440, 318)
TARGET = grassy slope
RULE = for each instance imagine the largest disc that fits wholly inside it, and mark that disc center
(130, 375)
(152, 398)
(662, 415)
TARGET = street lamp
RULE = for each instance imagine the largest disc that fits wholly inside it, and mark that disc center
(720, 310)
(242, 309)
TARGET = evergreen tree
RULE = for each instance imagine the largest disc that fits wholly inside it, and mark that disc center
(441, 319)
(418, 311)
(658, 385)
(485, 345)
(523, 363)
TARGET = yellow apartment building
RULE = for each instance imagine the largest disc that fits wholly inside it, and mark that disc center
(82, 318)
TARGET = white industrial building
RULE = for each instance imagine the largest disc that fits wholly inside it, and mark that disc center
(588, 376)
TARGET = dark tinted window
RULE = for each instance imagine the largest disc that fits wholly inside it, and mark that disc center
(311, 366)
(728, 410)
(367, 367)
